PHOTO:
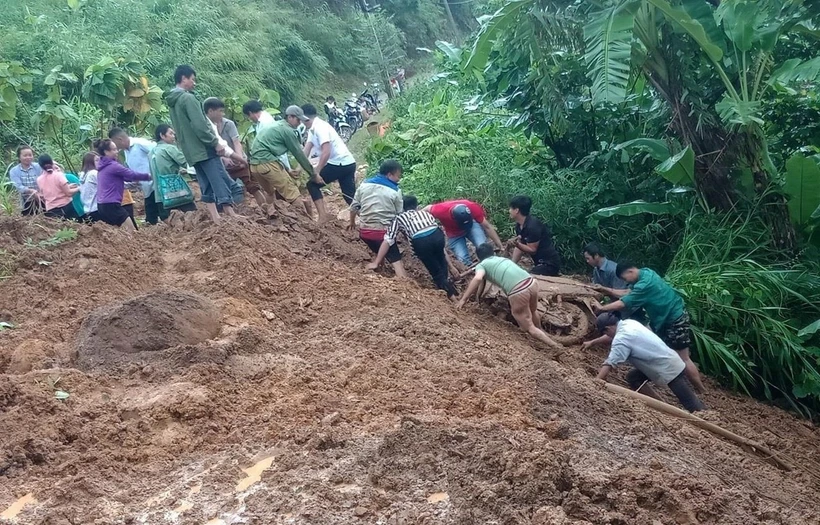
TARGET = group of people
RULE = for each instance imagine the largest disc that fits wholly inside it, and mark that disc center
(200, 139)
(660, 355)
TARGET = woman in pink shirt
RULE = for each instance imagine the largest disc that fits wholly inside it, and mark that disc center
(56, 190)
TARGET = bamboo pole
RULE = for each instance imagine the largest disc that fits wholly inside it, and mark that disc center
(666, 408)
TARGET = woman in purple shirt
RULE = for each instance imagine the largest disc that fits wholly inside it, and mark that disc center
(111, 179)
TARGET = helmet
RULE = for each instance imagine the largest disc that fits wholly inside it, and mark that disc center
(462, 216)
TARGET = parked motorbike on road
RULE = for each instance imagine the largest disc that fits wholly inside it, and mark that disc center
(353, 114)
(339, 122)
(370, 98)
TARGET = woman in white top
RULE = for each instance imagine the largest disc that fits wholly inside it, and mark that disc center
(88, 185)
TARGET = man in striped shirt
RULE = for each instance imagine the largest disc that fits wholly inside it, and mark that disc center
(427, 241)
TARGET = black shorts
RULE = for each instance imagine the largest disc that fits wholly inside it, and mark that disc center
(393, 254)
(677, 335)
(345, 175)
(546, 268)
(113, 214)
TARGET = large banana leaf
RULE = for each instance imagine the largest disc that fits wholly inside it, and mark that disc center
(608, 39)
(491, 27)
(633, 208)
(795, 70)
(680, 168)
(677, 169)
(453, 52)
(803, 188)
(740, 21)
(703, 12)
(810, 330)
(684, 21)
(656, 148)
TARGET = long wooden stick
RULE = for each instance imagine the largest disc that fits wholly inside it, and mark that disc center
(763, 451)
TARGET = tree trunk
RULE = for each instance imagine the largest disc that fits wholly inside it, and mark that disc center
(774, 207)
(450, 16)
(718, 151)
(714, 156)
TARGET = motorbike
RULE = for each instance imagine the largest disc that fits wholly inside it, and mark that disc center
(370, 98)
(353, 114)
(337, 119)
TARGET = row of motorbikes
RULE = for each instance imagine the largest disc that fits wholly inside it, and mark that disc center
(357, 109)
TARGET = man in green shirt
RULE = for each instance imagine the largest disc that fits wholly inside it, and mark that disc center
(270, 144)
(200, 144)
(518, 285)
(664, 307)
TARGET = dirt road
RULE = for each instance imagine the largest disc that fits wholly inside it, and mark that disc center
(324, 394)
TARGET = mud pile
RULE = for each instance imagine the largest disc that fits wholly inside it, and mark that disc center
(309, 391)
(152, 322)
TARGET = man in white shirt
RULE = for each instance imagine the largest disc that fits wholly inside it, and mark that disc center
(335, 161)
(653, 361)
(255, 111)
(137, 152)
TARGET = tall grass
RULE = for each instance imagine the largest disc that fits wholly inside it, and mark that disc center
(8, 194)
(747, 306)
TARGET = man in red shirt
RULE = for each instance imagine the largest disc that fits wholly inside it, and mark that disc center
(462, 220)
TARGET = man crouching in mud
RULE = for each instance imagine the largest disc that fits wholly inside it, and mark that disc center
(518, 285)
(652, 359)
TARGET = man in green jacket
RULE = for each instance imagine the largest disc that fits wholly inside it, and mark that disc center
(270, 144)
(199, 144)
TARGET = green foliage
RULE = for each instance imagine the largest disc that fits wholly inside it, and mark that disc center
(631, 209)
(14, 78)
(803, 188)
(608, 48)
(60, 236)
(8, 194)
(747, 309)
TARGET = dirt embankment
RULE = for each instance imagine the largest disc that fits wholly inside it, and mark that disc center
(298, 388)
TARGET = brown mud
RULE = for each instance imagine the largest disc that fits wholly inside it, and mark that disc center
(301, 389)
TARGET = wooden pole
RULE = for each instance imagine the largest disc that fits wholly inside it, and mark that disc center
(666, 408)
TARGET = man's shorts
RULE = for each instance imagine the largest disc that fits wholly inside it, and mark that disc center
(243, 173)
(273, 178)
(677, 334)
(373, 239)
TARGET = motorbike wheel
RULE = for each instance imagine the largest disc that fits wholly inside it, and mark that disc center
(345, 133)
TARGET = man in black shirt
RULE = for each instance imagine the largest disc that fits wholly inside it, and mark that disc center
(533, 238)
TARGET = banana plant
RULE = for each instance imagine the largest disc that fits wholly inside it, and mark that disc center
(14, 78)
(738, 39)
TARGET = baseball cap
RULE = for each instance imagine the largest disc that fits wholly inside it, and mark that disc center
(462, 216)
(296, 111)
(606, 319)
